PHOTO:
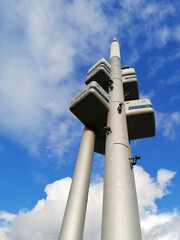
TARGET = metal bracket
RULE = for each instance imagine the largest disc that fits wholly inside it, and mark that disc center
(126, 94)
(110, 84)
(133, 161)
(108, 130)
(119, 109)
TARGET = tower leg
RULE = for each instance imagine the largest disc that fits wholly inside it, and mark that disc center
(120, 219)
(74, 216)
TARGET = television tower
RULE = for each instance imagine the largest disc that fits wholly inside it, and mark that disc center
(110, 108)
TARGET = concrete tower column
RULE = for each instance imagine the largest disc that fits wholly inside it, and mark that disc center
(120, 219)
(74, 216)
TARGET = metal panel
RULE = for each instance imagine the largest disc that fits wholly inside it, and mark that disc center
(140, 119)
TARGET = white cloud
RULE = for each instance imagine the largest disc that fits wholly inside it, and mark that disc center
(163, 35)
(168, 123)
(173, 80)
(8, 217)
(44, 220)
(149, 95)
(155, 63)
(130, 4)
(164, 226)
(164, 177)
(176, 33)
(38, 78)
(157, 188)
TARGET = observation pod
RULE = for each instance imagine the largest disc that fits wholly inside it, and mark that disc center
(130, 83)
(140, 119)
(90, 106)
(100, 73)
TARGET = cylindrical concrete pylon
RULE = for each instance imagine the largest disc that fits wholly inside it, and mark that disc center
(120, 219)
(74, 216)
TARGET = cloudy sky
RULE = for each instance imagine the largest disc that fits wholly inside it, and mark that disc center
(46, 49)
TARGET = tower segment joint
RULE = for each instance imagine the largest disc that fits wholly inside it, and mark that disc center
(121, 144)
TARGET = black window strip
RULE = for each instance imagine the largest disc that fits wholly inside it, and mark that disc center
(140, 107)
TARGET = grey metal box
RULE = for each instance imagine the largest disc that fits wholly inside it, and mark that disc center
(140, 119)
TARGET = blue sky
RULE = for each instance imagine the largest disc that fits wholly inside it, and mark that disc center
(46, 49)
